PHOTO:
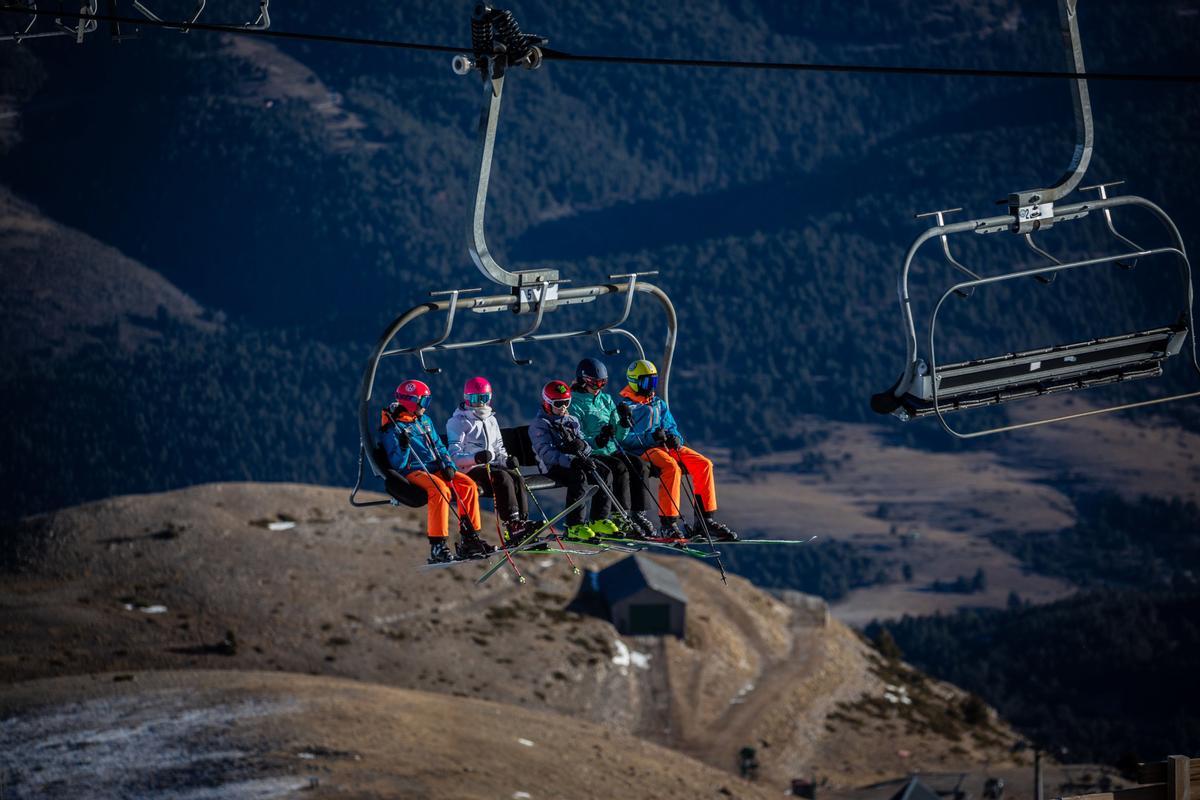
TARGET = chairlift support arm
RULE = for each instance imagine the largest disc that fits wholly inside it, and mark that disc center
(1034, 208)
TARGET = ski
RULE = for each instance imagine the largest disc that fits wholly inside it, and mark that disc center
(549, 549)
(535, 538)
(673, 545)
(769, 541)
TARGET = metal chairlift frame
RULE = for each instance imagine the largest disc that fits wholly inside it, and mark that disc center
(1028, 212)
(79, 30)
(531, 292)
(261, 23)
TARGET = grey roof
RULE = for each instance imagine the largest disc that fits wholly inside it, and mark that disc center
(915, 790)
(631, 574)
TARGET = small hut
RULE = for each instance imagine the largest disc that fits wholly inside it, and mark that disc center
(638, 596)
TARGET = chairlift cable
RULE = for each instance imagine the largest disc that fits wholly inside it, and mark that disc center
(559, 55)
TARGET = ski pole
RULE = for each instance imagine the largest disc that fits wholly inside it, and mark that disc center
(546, 519)
(499, 536)
(687, 476)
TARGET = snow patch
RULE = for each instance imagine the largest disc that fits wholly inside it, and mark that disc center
(740, 697)
(146, 609)
(897, 695)
(626, 658)
(525, 742)
(285, 525)
(521, 795)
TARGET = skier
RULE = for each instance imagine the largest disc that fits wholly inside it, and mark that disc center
(415, 451)
(565, 456)
(598, 424)
(653, 434)
(474, 441)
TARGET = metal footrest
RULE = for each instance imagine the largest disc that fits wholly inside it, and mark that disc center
(1048, 370)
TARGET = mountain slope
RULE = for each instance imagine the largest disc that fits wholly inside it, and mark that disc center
(196, 579)
(266, 735)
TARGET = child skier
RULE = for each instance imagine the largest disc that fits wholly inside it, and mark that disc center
(474, 441)
(415, 451)
(564, 455)
(598, 424)
(653, 434)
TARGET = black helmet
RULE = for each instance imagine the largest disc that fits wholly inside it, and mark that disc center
(591, 369)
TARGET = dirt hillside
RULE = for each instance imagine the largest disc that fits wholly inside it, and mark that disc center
(191, 735)
(198, 579)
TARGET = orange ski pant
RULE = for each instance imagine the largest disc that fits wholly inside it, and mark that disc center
(438, 492)
(699, 467)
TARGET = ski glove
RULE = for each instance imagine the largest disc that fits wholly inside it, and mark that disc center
(403, 439)
(448, 473)
(624, 415)
(671, 441)
(512, 463)
(483, 457)
(575, 447)
(582, 463)
(660, 436)
(605, 436)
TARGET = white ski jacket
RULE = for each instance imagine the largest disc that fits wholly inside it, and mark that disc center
(467, 434)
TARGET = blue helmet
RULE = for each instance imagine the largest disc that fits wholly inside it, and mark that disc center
(591, 369)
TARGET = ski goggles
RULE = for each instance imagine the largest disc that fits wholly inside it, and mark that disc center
(597, 383)
(477, 399)
(647, 383)
(422, 401)
(564, 403)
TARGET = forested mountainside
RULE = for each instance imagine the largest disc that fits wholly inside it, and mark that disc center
(301, 195)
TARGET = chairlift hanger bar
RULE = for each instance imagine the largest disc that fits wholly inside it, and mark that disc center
(559, 55)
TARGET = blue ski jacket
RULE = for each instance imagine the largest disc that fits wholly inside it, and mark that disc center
(648, 416)
(422, 435)
(549, 434)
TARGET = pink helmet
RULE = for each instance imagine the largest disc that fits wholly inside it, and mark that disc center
(477, 392)
(413, 397)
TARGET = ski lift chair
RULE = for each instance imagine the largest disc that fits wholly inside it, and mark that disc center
(498, 45)
(927, 387)
(261, 23)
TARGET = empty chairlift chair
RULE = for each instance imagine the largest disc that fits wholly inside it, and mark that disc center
(927, 387)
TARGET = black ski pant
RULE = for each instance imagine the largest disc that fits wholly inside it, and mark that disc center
(630, 477)
(505, 491)
(576, 481)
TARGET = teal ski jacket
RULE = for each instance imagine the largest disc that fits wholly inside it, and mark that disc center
(593, 413)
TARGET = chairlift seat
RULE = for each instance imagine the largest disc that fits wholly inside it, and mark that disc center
(517, 443)
(1032, 373)
(398, 486)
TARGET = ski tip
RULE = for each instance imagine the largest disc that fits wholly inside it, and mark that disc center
(521, 579)
(575, 570)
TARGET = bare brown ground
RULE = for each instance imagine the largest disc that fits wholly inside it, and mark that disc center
(156, 582)
(264, 735)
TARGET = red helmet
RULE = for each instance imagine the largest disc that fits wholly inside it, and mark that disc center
(413, 397)
(555, 393)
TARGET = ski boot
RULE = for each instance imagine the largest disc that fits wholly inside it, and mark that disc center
(438, 552)
(606, 528)
(581, 532)
(518, 531)
(669, 529)
(718, 531)
(627, 527)
(642, 522)
(471, 546)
